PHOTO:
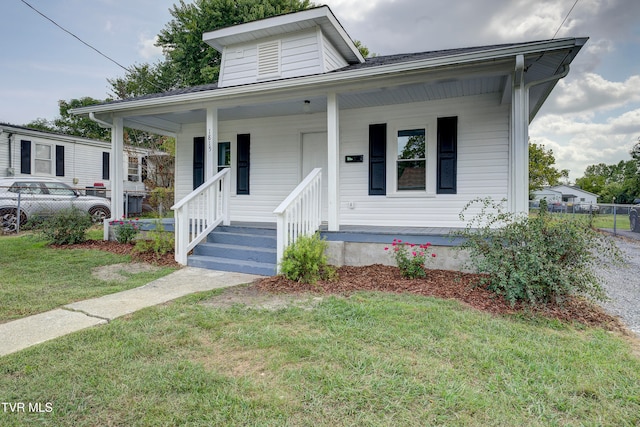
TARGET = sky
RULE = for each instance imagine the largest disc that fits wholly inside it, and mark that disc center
(592, 116)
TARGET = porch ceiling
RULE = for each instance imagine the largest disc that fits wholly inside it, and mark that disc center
(360, 98)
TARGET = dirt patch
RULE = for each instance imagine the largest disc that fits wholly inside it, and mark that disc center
(252, 297)
(121, 272)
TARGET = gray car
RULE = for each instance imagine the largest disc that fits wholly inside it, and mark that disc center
(41, 197)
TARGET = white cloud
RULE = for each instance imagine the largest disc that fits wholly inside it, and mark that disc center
(147, 48)
(592, 92)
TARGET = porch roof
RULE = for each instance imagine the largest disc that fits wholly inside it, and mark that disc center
(383, 80)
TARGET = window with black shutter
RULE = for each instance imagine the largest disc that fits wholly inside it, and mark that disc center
(447, 155)
(25, 157)
(59, 160)
(242, 163)
(378, 159)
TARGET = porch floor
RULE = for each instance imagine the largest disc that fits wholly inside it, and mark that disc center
(438, 236)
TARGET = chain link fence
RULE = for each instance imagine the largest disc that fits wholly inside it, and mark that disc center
(609, 216)
(24, 203)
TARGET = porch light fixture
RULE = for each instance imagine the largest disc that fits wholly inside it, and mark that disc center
(307, 106)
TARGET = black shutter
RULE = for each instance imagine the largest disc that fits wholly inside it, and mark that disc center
(105, 165)
(25, 157)
(378, 159)
(198, 161)
(243, 164)
(447, 154)
(59, 160)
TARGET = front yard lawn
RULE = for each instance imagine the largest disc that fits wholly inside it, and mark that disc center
(371, 358)
(35, 278)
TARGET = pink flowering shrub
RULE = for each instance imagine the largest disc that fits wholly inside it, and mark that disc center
(410, 257)
(125, 230)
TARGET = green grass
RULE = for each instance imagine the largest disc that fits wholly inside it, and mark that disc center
(599, 221)
(372, 359)
(35, 278)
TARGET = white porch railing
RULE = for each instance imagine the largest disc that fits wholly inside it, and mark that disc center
(200, 212)
(300, 213)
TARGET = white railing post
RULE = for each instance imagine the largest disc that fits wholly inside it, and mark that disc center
(300, 213)
(200, 212)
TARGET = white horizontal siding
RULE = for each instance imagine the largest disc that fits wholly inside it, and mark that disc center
(332, 58)
(482, 168)
(483, 135)
(82, 162)
(299, 56)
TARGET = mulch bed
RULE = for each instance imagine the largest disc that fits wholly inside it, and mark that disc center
(442, 284)
(166, 260)
(438, 283)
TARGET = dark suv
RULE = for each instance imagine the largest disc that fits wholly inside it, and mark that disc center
(634, 213)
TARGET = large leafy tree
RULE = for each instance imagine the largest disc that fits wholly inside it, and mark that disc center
(542, 170)
(70, 124)
(620, 180)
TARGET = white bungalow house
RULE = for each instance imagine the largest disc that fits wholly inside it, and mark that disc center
(306, 132)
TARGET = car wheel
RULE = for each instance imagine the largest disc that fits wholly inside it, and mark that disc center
(633, 222)
(99, 213)
(9, 220)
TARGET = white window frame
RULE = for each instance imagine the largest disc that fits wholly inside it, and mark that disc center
(36, 159)
(430, 128)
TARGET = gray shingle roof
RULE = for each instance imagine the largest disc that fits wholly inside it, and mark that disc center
(376, 61)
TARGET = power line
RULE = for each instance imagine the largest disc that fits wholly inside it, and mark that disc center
(87, 44)
(565, 19)
(74, 36)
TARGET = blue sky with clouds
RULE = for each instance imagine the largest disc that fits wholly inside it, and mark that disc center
(593, 115)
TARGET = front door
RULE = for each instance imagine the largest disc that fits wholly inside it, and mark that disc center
(314, 155)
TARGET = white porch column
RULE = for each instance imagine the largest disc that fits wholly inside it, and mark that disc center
(333, 168)
(116, 172)
(519, 153)
(211, 157)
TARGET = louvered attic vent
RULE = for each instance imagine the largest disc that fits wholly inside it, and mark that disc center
(269, 59)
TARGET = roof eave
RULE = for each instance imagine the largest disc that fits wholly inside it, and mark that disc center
(340, 76)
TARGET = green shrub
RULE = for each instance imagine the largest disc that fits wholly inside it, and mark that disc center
(536, 260)
(125, 230)
(66, 227)
(410, 258)
(304, 261)
(159, 241)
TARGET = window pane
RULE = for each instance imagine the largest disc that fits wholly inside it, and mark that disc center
(411, 144)
(59, 188)
(43, 166)
(224, 155)
(412, 175)
(43, 152)
(132, 169)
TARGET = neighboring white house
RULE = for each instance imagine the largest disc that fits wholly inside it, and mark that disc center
(402, 140)
(79, 162)
(551, 196)
(571, 194)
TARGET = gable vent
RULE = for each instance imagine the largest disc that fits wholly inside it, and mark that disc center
(269, 59)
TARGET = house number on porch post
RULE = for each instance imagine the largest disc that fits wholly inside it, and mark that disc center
(209, 141)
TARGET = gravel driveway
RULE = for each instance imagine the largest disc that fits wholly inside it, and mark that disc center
(623, 284)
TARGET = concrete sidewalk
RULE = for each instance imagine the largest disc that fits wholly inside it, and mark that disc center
(28, 331)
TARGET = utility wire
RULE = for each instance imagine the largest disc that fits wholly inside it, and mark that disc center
(565, 19)
(74, 36)
(86, 44)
